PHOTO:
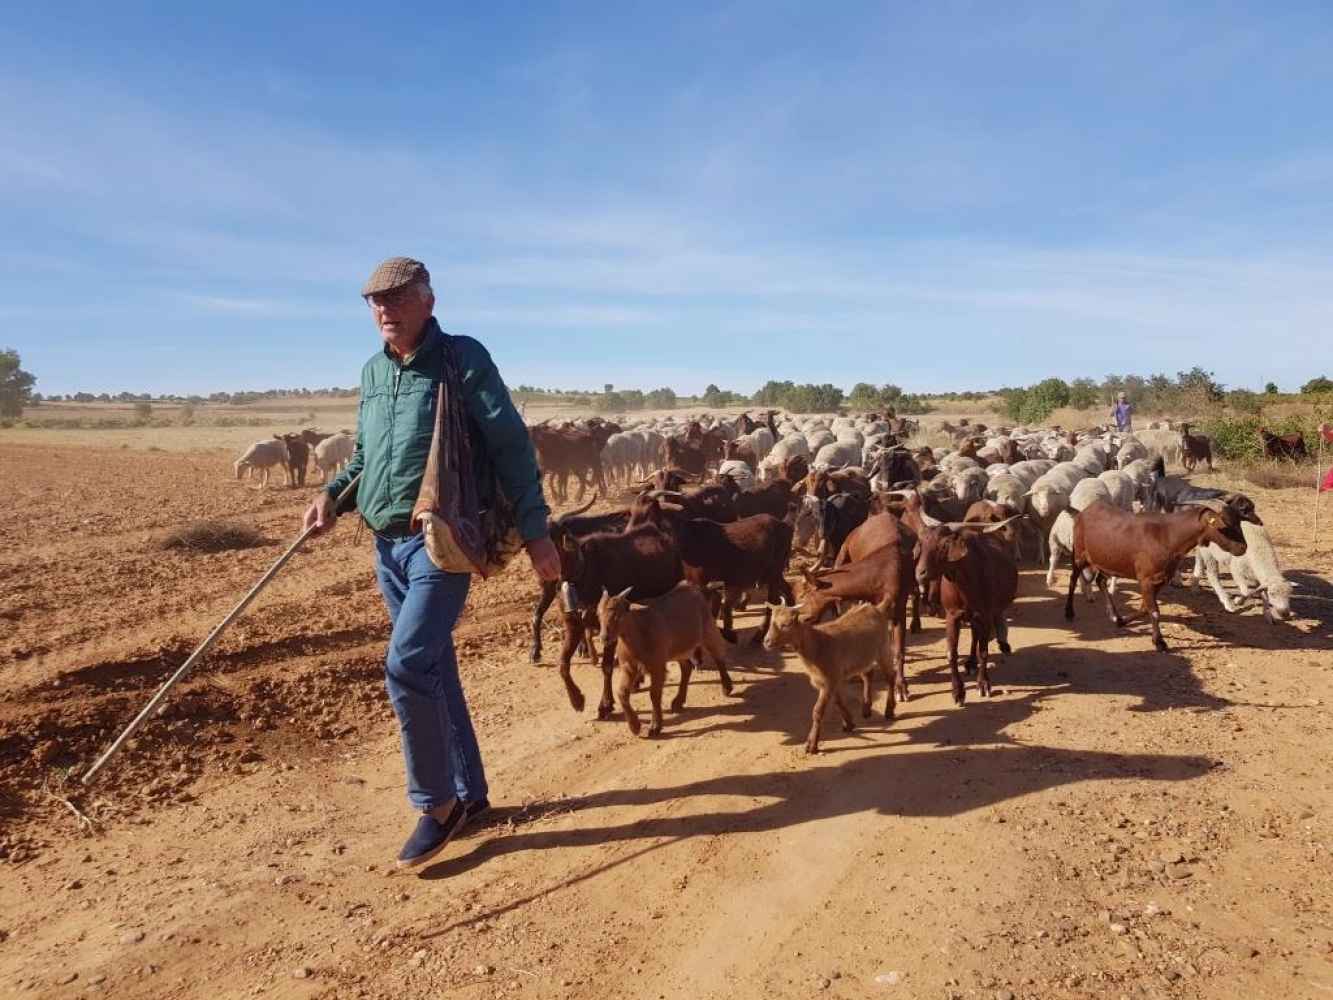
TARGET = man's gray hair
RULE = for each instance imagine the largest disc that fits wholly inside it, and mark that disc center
(424, 290)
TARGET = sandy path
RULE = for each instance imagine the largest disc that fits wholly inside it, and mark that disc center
(1114, 823)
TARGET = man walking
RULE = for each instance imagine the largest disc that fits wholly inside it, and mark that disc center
(1123, 414)
(445, 779)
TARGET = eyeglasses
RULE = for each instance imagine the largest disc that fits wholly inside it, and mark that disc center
(392, 299)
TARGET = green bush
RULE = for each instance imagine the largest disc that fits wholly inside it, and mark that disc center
(1234, 437)
(1244, 401)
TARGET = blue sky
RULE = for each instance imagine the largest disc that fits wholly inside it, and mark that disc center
(945, 195)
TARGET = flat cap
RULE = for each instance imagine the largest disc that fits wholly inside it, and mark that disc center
(395, 273)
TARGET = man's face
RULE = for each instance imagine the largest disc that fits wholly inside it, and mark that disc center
(401, 315)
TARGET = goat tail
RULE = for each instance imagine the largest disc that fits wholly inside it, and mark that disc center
(1159, 465)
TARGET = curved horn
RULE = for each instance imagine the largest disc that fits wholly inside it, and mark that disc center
(930, 522)
(625, 593)
(582, 510)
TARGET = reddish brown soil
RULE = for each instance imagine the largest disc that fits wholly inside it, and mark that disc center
(1115, 822)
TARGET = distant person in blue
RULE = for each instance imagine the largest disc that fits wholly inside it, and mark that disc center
(1123, 414)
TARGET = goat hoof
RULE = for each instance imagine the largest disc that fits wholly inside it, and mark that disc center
(727, 686)
(1069, 614)
(1006, 649)
(959, 696)
(866, 711)
(729, 635)
(604, 712)
(1119, 622)
(654, 731)
(576, 699)
(916, 628)
(633, 724)
(1161, 645)
(812, 748)
(677, 704)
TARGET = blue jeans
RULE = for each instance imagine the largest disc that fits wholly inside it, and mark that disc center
(421, 672)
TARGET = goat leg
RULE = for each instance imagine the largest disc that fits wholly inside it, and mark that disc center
(1074, 574)
(981, 640)
(1112, 612)
(951, 627)
(605, 707)
(1002, 635)
(544, 602)
(1150, 605)
(848, 726)
(898, 633)
(817, 721)
(573, 633)
(656, 682)
(916, 608)
(625, 677)
(686, 669)
(865, 695)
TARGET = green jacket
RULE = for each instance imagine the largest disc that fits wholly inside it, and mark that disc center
(397, 418)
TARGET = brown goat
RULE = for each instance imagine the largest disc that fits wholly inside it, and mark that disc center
(1147, 548)
(744, 555)
(878, 530)
(676, 626)
(298, 458)
(643, 559)
(883, 578)
(796, 468)
(1194, 448)
(849, 647)
(978, 580)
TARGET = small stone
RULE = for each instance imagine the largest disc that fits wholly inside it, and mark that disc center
(67, 978)
(1171, 975)
(483, 970)
(98, 979)
(302, 972)
(131, 937)
(1152, 910)
(1179, 871)
(889, 978)
(835, 974)
(1004, 995)
(73, 884)
(1119, 929)
(824, 983)
(403, 897)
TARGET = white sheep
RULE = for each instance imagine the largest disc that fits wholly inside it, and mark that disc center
(1257, 569)
(333, 453)
(837, 455)
(1086, 492)
(1121, 487)
(263, 455)
(739, 471)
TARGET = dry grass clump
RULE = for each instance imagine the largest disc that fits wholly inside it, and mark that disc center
(1278, 475)
(212, 536)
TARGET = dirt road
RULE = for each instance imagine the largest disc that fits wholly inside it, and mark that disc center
(1114, 822)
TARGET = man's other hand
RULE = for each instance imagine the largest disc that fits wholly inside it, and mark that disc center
(319, 514)
(545, 559)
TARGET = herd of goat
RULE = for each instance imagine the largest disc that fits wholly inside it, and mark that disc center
(718, 508)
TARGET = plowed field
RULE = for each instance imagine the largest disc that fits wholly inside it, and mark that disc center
(1114, 822)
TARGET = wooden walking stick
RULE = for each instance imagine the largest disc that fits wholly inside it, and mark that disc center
(211, 638)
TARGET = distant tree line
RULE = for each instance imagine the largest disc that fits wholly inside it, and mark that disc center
(1191, 390)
